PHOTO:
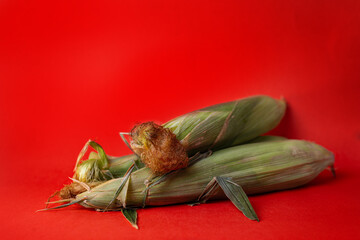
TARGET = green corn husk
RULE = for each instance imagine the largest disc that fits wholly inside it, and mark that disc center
(118, 166)
(227, 124)
(214, 127)
(256, 167)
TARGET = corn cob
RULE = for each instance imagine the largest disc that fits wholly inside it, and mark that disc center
(117, 167)
(214, 127)
(256, 167)
(227, 124)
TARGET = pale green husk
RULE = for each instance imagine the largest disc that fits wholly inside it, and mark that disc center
(256, 167)
(227, 124)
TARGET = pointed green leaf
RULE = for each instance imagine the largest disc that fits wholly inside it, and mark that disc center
(123, 194)
(131, 216)
(237, 196)
(122, 184)
(103, 161)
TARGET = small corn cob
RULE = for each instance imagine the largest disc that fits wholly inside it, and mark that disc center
(256, 167)
(214, 127)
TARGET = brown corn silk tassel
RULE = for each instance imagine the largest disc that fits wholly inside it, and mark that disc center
(158, 148)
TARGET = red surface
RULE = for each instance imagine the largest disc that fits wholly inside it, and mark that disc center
(74, 70)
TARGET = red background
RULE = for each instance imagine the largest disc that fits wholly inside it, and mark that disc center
(74, 70)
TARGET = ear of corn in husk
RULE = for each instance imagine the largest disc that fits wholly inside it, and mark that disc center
(215, 127)
(256, 167)
(227, 124)
(117, 167)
